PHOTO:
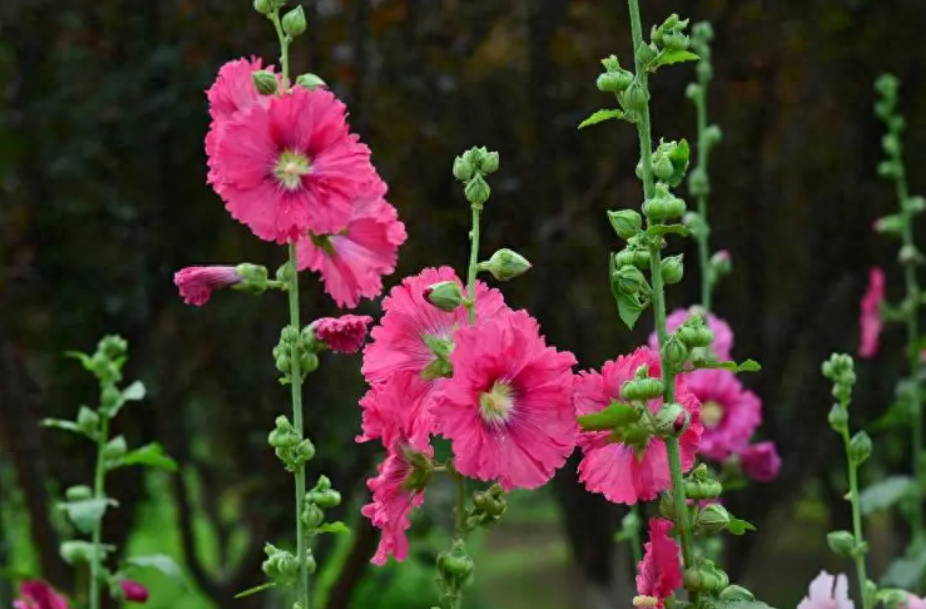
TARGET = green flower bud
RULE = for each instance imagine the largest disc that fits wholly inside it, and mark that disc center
(712, 519)
(254, 277)
(422, 471)
(630, 280)
(115, 448)
(632, 257)
(283, 365)
(838, 418)
(664, 205)
(304, 451)
(265, 82)
(672, 269)
(701, 490)
(634, 98)
(695, 335)
(477, 190)
(674, 351)
(648, 52)
(909, 255)
(445, 295)
(713, 135)
(663, 169)
(693, 91)
(625, 222)
(78, 493)
(675, 41)
(614, 82)
(112, 347)
(505, 265)
(455, 567)
(736, 593)
(280, 566)
(88, 421)
(308, 362)
(263, 6)
(463, 169)
(698, 182)
(705, 577)
(294, 22)
(310, 81)
(841, 542)
(671, 420)
(323, 495)
(284, 434)
(860, 448)
(721, 263)
(312, 514)
(489, 162)
(642, 389)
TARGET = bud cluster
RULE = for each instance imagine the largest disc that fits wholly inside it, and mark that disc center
(289, 445)
(471, 167)
(301, 345)
(488, 507)
(455, 570)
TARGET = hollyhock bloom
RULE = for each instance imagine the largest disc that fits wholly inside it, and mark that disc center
(659, 574)
(353, 261)
(343, 334)
(613, 468)
(915, 602)
(730, 412)
(291, 167)
(761, 461)
(197, 283)
(870, 318)
(379, 407)
(36, 594)
(508, 408)
(133, 591)
(398, 487)
(723, 335)
(828, 592)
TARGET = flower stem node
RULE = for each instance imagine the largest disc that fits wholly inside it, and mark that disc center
(505, 265)
(626, 223)
(265, 82)
(445, 295)
(664, 206)
(323, 495)
(860, 448)
(310, 81)
(294, 22)
(672, 269)
(705, 577)
(712, 519)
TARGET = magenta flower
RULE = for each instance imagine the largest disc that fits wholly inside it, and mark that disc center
(36, 594)
(343, 334)
(828, 592)
(379, 408)
(133, 591)
(730, 412)
(398, 487)
(723, 335)
(508, 409)
(870, 318)
(197, 283)
(761, 461)
(353, 261)
(291, 167)
(915, 602)
(659, 574)
(612, 468)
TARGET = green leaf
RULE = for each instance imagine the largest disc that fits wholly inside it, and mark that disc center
(738, 526)
(885, 494)
(255, 590)
(747, 366)
(78, 550)
(669, 57)
(151, 455)
(614, 416)
(160, 562)
(905, 572)
(134, 392)
(86, 513)
(337, 527)
(63, 424)
(660, 230)
(601, 116)
(85, 360)
(629, 308)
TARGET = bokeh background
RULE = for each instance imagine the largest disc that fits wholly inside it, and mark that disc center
(103, 197)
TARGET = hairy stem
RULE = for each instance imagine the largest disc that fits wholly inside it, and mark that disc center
(857, 531)
(99, 492)
(473, 262)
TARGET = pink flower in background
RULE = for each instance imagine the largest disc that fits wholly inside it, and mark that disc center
(405, 391)
(353, 261)
(761, 461)
(395, 489)
(197, 283)
(659, 574)
(343, 334)
(730, 412)
(508, 408)
(915, 602)
(828, 592)
(870, 318)
(723, 335)
(133, 591)
(292, 167)
(613, 468)
(36, 594)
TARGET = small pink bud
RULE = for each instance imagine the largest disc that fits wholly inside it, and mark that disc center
(343, 334)
(134, 592)
(197, 283)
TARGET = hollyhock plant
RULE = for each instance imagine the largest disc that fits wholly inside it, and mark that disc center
(292, 167)
(196, 283)
(723, 334)
(344, 334)
(508, 408)
(760, 461)
(870, 318)
(828, 592)
(353, 261)
(659, 574)
(402, 476)
(36, 594)
(730, 412)
(616, 470)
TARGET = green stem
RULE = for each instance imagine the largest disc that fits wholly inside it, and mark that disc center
(99, 492)
(296, 392)
(857, 531)
(284, 46)
(460, 510)
(658, 297)
(473, 262)
(636, 546)
(703, 237)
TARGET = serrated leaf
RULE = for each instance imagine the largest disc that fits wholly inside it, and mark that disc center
(905, 572)
(600, 116)
(669, 57)
(160, 562)
(86, 513)
(337, 528)
(255, 590)
(134, 392)
(151, 455)
(884, 494)
(629, 308)
(612, 417)
(63, 424)
(738, 526)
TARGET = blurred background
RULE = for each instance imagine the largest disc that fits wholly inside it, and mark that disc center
(103, 197)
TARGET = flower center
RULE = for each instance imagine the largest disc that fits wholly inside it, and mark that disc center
(711, 413)
(495, 405)
(290, 168)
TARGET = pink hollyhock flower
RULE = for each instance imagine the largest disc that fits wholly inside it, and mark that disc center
(613, 468)
(508, 408)
(828, 592)
(197, 283)
(379, 407)
(36, 594)
(870, 318)
(292, 167)
(343, 334)
(730, 412)
(723, 335)
(761, 461)
(915, 602)
(398, 487)
(353, 261)
(659, 574)
(133, 591)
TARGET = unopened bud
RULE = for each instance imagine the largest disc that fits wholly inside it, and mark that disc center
(672, 269)
(630, 280)
(265, 82)
(642, 389)
(263, 6)
(74, 552)
(675, 41)
(445, 295)
(254, 278)
(455, 567)
(78, 493)
(614, 82)
(634, 98)
(506, 264)
(280, 565)
(838, 418)
(664, 205)
(712, 519)
(463, 169)
(674, 351)
(860, 448)
(312, 514)
(663, 169)
(477, 190)
(632, 257)
(841, 542)
(323, 495)
(625, 222)
(736, 593)
(489, 161)
(705, 577)
(294, 22)
(310, 81)
(671, 420)
(721, 264)
(698, 182)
